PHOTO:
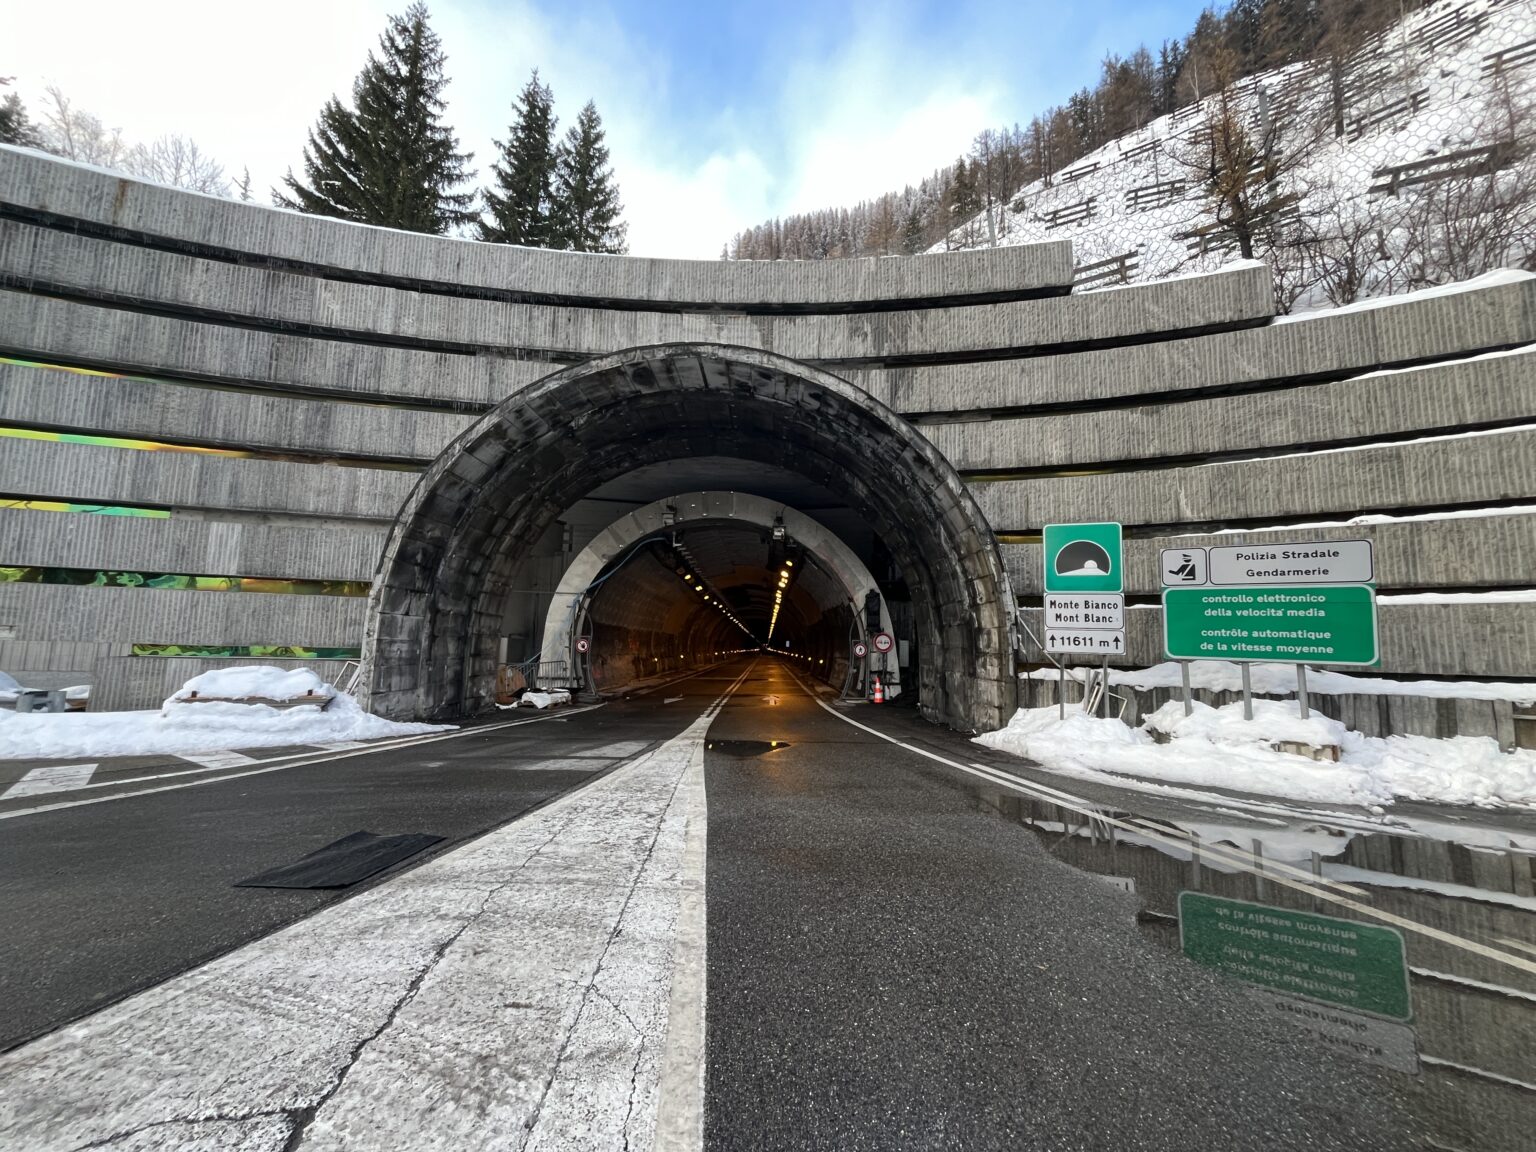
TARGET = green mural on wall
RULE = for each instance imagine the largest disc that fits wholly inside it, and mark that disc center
(104, 578)
(242, 651)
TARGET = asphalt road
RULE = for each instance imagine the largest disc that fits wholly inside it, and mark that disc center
(891, 965)
(104, 899)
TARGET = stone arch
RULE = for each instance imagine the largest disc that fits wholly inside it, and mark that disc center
(430, 644)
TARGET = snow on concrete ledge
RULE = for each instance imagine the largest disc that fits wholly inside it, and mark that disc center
(1280, 680)
(181, 727)
(1216, 747)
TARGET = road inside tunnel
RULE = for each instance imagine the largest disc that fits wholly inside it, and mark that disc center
(706, 590)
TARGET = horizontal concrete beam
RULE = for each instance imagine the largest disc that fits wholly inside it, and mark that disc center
(91, 335)
(1326, 345)
(160, 616)
(91, 475)
(1474, 551)
(143, 409)
(1486, 390)
(1473, 471)
(147, 278)
(1446, 640)
(47, 185)
(194, 546)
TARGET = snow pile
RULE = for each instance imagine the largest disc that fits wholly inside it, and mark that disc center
(255, 680)
(545, 699)
(181, 727)
(1216, 747)
(1273, 720)
(1280, 680)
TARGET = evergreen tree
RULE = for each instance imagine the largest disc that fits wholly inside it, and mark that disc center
(521, 204)
(586, 199)
(15, 126)
(390, 160)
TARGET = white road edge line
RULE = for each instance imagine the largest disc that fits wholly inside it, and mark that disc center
(1086, 808)
(680, 1090)
(298, 760)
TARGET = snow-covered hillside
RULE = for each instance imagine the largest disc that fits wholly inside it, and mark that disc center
(1437, 118)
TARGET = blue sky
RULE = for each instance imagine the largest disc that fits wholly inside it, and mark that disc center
(718, 115)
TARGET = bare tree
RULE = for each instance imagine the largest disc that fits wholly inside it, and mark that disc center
(1355, 246)
(177, 161)
(77, 135)
(1242, 158)
(1484, 216)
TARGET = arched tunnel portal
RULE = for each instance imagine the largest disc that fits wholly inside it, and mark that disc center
(647, 422)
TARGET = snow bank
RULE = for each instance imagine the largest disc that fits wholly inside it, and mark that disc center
(1280, 680)
(181, 727)
(1216, 747)
(545, 699)
(255, 680)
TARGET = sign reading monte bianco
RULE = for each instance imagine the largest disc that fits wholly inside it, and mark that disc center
(1084, 607)
(1296, 625)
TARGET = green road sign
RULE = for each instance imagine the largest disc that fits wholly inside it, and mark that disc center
(1332, 624)
(1359, 966)
(1083, 558)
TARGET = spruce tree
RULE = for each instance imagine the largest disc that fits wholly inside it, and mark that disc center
(389, 160)
(586, 210)
(15, 126)
(521, 203)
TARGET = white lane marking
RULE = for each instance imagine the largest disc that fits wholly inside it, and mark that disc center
(615, 751)
(221, 759)
(1320, 889)
(58, 778)
(672, 699)
(680, 1107)
(276, 764)
(521, 983)
(338, 745)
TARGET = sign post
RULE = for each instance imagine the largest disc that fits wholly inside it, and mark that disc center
(1084, 589)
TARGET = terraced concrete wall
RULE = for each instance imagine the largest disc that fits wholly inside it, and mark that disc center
(328, 364)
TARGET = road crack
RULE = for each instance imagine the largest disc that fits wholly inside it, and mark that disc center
(305, 1116)
(211, 1118)
(592, 989)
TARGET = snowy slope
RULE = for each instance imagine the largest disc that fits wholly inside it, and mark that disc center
(1430, 86)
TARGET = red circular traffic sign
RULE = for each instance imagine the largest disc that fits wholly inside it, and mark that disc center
(583, 644)
(860, 650)
(883, 642)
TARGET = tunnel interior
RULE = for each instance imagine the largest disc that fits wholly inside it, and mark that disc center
(505, 507)
(701, 591)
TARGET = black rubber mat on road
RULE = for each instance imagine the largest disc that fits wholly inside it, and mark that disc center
(343, 862)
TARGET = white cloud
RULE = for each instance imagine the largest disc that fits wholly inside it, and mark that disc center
(247, 82)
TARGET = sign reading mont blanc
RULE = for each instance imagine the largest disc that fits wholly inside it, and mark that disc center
(1303, 625)
(1083, 610)
(1082, 558)
(1345, 962)
(1305, 562)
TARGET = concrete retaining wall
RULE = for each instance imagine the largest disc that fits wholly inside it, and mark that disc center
(326, 341)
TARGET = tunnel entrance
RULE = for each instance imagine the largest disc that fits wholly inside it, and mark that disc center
(696, 576)
(634, 430)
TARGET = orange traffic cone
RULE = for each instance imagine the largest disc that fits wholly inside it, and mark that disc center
(879, 691)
